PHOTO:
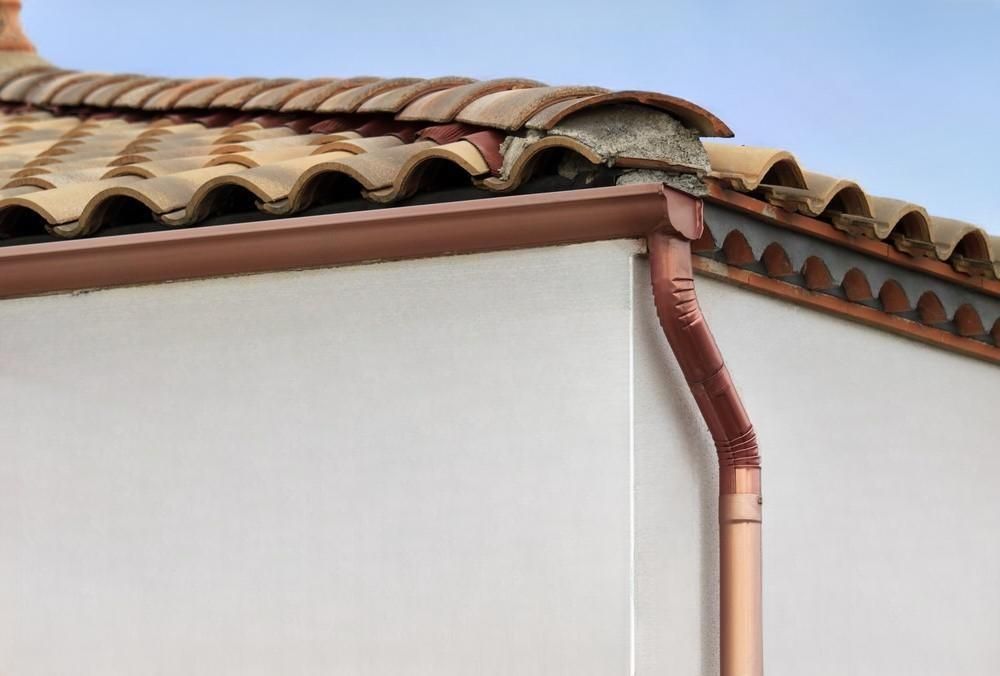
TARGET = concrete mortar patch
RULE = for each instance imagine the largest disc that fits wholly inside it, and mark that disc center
(623, 131)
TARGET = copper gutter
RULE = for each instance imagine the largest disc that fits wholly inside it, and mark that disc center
(397, 233)
(316, 241)
(741, 642)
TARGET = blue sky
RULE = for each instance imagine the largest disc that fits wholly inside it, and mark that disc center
(901, 96)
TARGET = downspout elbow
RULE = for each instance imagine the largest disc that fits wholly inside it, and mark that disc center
(701, 361)
(687, 332)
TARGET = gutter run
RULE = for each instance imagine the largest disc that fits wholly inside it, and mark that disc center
(620, 212)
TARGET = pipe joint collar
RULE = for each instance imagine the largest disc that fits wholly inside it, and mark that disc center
(740, 508)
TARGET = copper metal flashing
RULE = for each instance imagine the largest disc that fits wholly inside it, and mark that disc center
(316, 241)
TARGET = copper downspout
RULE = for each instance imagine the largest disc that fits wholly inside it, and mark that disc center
(739, 460)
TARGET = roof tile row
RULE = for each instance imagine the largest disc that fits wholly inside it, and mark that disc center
(276, 138)
(777, 177)
(508, 104)
(77, 175)
(854, 286)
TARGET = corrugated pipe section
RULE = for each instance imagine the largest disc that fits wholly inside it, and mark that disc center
(691, 340)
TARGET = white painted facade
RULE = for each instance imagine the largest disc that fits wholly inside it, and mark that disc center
(476, 465)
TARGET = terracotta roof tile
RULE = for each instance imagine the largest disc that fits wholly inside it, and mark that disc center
(909, 219)
(522, 167)
(74, 94)
(310, 99)
(64, 177)
(511, 109)
(141, 95)
(41, 94)
(692, 115)
(259, 158)
(349, 100)
(97, 147)
(17, 88)
(394, 100)
(65, 204)
(196, 94)
(10, 74)
(185, 93)
(408, 178)
(103, 96)
(276, 97)
(746, 168)
(159, 168)
(774, 176)
(947, 234)
(444, 105)
(237, 97)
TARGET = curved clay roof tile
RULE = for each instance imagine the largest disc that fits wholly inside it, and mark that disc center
(394, 100)
(689, 113)
(203, 92)
(823, 191)
(946, 233)
(138, 97)
(308, 100)
(41, 93)
(444, 105)
(462, 154)
(237, 97)
(169, 97)
(522, 168)
(17, 88)
(74, 94)
(745, 167)
(275, 98)
(348, 101)
(10, 74)
(104, 96)
(510, 109)
(892, 214)
(64, 204)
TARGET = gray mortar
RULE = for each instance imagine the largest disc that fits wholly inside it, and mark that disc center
(689, 183)
(572, 165)
(636, 131)
(625, 131)
(513, 146)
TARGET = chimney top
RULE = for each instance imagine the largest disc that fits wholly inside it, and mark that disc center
(16, 50)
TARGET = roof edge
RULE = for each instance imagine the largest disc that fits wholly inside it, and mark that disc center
(474, 226)
(856, 312)
(819, 229)
(520, 221)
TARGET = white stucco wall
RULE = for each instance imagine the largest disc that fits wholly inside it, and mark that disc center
(881, 506)
(482, 464)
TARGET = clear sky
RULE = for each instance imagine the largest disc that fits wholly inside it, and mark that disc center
(903, 97)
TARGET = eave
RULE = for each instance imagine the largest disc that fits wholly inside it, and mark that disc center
(398, 233)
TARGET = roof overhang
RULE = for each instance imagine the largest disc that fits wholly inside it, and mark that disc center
(482, 225)
(317, 241)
